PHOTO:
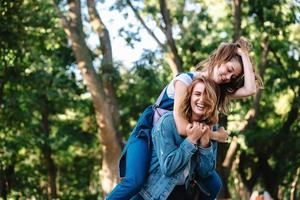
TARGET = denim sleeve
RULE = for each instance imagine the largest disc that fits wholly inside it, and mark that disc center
(206, 158)
(172, 157)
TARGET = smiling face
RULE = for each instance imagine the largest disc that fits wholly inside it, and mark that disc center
(197, 102)
(226, 72)
(201, 100)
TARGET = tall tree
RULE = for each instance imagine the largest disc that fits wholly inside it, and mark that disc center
(103, 100)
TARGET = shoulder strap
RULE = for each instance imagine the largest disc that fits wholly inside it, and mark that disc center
(158, 100)
(190, 74)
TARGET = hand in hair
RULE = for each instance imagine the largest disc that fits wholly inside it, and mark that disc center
(196, 130)
(244, 45)
(241, 52)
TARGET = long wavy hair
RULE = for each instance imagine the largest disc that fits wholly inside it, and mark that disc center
(211, 99)
(224, 53)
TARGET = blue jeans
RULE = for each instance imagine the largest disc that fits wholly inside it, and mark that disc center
(213, 183)
(137, 165)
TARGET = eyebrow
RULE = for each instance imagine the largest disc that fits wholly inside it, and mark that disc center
(197, 91)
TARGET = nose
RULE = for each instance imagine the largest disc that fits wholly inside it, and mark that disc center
(228, 77)
(201, 98)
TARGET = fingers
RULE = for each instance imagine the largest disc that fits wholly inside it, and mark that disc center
(223, 140)
(189, 126)
(221, 135)
(196, 125)
(196, 130)
(205, 127)
(239, 51)
(222, 128)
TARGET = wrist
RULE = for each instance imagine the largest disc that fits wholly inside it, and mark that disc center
(192, 140)
(244, 56)
(214, 135)
(204, 144)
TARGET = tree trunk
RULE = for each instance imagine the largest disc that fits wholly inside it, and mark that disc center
(223, 170)
(269, 177)
(47, 152)
(172, 54)
(108, 134)
(108, 71)
(237, 13)
(3, 78)
(51, 170)
(294, 185)
(249, 182)
(241, 191)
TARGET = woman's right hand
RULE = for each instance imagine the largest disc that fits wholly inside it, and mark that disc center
(221, 135)
(195, 131)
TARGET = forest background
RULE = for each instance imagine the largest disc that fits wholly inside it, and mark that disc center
(68, 105)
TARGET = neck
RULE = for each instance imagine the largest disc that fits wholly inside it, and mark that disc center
(197, 118)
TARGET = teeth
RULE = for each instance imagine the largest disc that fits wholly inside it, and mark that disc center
(200, 105)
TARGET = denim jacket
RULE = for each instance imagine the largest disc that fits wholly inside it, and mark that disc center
(171, 154)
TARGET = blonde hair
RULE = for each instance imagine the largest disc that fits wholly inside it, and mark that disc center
(211, 97)
(224, 53)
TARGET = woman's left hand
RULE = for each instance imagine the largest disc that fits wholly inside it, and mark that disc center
(204, 140)
(241, 52)
(243, 47)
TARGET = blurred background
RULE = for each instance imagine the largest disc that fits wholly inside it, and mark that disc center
(75, 76)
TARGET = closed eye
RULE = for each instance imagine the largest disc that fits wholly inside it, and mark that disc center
(230, 69)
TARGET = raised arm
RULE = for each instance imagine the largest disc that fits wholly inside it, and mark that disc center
(180, 93)
(249, 87)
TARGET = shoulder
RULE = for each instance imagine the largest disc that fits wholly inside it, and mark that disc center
(186, 78)
(166, 122)
(167, 118)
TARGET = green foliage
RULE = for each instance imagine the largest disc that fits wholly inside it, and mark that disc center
(38, 78)
(144, 81)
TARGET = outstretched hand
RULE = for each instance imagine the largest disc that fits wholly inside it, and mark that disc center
(222, 135)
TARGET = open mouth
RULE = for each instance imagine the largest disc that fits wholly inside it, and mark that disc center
(200, 106)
